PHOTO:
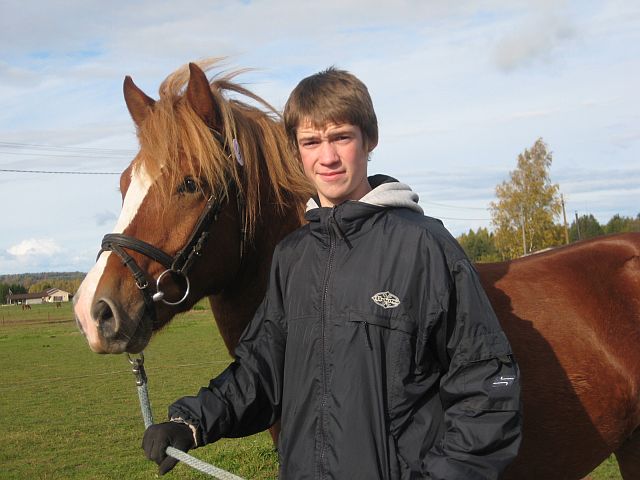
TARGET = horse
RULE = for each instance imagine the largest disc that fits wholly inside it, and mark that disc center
(215, 186)
(26, 306)
(572, 316)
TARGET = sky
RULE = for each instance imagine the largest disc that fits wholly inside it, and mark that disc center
(460, 89)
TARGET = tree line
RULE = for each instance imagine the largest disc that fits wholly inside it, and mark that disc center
(528, 214)
(480, 245)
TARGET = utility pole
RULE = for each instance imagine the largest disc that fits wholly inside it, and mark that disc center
(578, 226)
(564, 216)
(524, 237)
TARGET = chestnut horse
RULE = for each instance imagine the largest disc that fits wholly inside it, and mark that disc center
(214, 188)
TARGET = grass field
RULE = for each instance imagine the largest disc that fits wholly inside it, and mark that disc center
(68, 413)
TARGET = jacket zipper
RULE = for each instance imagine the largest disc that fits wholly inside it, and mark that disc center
(367, 338)
(323, 320)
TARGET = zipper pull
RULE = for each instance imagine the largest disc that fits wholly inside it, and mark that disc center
(336, 228)
(367, 339)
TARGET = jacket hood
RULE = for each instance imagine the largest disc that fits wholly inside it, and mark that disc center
(386, 192)
(353, 218)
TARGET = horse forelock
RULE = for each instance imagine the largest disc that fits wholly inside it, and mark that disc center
(175, 140)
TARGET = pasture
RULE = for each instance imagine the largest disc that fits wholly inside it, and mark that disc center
(69, 413)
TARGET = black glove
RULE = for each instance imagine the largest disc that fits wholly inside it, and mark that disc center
(162, 435)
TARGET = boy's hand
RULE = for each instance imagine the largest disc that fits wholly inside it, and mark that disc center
(162, 435)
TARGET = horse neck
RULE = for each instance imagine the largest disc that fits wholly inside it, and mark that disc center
(234, 308)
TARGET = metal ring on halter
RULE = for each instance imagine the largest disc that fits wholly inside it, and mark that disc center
(159, 295)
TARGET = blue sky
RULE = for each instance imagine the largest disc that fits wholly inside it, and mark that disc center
(460, 88)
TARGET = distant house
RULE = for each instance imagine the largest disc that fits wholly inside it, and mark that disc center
(53, 295)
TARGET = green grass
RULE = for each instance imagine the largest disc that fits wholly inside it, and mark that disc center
(10, 314)
(67, 413)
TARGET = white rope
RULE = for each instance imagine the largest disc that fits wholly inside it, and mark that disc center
(147, 416)
(202, 466)
(145, 405)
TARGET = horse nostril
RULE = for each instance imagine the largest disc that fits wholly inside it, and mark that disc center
(105, 318)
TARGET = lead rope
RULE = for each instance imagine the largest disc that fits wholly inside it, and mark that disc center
(143, 395)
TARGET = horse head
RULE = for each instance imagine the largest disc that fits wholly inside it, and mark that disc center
(195, 200)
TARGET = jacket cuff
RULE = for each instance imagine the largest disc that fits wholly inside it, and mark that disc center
(197, 441)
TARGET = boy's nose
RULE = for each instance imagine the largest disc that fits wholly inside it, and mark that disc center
(328, 153)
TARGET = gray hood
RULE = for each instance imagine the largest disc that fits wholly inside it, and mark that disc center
(390, 194)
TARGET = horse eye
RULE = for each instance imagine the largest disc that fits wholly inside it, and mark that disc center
(189, 185)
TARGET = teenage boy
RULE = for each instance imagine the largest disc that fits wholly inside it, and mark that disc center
(375, 346)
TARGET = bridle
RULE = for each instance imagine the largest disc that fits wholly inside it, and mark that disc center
(177, 265)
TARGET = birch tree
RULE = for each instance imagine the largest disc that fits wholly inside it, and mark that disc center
(527, 205)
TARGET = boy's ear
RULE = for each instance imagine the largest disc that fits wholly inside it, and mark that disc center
(372, 145)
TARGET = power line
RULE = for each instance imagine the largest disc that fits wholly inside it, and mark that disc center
(454, 206)
(466, 219)
(39, 150)
(39, 154)
(57, 172)
(37, 146)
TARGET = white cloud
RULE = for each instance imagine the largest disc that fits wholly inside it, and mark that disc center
(17, 77)
(35, 247)
(534, 41)
(106, 217)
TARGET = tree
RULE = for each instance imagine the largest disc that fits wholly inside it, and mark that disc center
(479, 246)
(620, 224)
(14, 287)
(527, 206)
(40, 286)
(587, 226)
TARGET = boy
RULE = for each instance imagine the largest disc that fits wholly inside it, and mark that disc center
(375, 344)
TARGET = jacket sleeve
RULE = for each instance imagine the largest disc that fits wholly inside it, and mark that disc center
(480, 392)
(246, 397)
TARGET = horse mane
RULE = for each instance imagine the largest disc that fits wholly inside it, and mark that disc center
(174, 138)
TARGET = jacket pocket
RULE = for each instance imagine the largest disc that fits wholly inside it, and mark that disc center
(400, 322)
(483, 347)
(388, 346)
(381, 328)
(487, 373)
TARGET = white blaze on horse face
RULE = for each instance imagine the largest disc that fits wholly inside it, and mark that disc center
(138, 189)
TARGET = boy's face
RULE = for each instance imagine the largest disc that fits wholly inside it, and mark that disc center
(335, 160)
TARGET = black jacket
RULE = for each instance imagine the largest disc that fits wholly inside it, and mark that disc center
(377, 348)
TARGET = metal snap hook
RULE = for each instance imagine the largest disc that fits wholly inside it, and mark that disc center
(138, 369)
(134, 361)
(159, 295)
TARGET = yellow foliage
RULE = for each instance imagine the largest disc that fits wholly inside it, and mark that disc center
(527, 206)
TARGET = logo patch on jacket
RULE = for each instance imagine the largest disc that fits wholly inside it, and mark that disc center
(503, 381)
(386, 300)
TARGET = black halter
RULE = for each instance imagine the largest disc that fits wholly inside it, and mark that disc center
(180, 264)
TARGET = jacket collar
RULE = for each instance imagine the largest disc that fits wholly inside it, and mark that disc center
(353, 217)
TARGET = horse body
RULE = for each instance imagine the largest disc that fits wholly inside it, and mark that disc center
(572, 315)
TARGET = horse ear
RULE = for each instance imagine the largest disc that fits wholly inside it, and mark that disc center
(200, 97)
(138, 103)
